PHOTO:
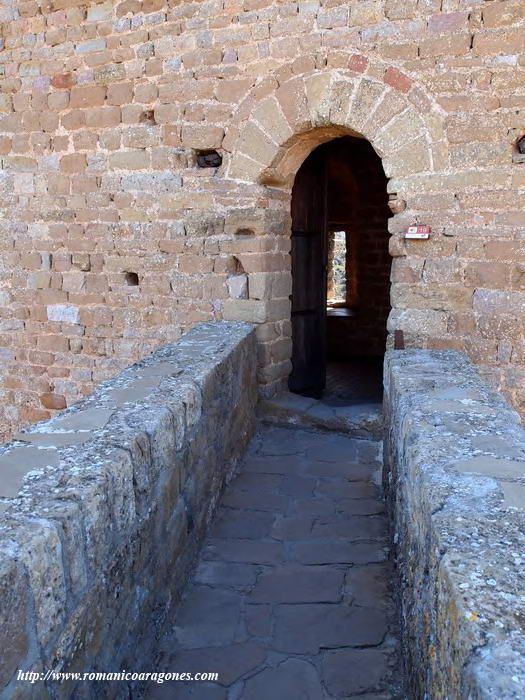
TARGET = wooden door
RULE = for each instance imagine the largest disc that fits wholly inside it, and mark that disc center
(309, 259)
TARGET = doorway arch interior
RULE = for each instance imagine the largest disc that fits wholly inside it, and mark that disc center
(340, 271)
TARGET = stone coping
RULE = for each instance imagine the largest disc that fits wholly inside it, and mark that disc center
(455, 481)
(102, 506)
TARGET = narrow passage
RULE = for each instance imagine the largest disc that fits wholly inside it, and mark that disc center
(291, 599)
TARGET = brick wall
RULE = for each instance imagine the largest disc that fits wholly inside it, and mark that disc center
(104, 105)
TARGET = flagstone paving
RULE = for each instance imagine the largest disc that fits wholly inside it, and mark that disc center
(292, 596)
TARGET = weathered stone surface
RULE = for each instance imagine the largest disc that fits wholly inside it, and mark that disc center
(292, 678)
(105, 527)
(230, 662)
(225, 573)
(260, 601)
(16, 463)
(368, 585)
(298, 585)
(363, 421)
(363, 670)
(234, 523)
(336, 551)
(14, 619)
(449, 472)
(244, 550)
(303, 629)
(207, 618)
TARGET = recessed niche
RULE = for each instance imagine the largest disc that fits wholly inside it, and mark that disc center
(132, 279)
(244, 233)
(208, 159)
(148, 117)
(518, 155)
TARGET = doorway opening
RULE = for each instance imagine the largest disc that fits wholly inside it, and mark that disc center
(341, 273)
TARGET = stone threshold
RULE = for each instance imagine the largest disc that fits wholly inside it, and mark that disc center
(360, 421)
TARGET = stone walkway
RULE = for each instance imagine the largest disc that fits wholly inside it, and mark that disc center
(291, 596)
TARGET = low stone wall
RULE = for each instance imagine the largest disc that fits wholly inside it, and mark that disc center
(455, 479)
(102, 509)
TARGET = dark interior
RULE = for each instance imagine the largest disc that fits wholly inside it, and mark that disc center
(350, 187)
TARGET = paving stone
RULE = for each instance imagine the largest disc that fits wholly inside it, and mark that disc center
(18, 462)
(262, 483)
(304, 629)
(175, 690)
(277, 441)
(340, 489)
(55, 439)
(274, 465)
(351, 471)
(292, 584)
(137, 390)
(247, 551)
(336, 552)
(369, 451)
(255, 500)
(293, 679)
(297, 486)
(225, 573)
(258, 620)
(312, 506)
(353, 671)
(241, 524)
(333, 448)
(88, 419)
(353, 527)
(295, 562)
(297, 527)
(207, 617)
(230, 661)
(362, 506)
(368, 585)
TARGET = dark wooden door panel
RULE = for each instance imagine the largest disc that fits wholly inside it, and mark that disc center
(308, 374)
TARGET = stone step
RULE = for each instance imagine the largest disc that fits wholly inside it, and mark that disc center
(363, 420)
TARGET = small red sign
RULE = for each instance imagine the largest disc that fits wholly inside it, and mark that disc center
(418, 231)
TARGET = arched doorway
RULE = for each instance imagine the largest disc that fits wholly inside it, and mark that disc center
(340, 271)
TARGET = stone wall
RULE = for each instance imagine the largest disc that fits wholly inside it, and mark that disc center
(103, 508)
(455, 478)
(113, 241)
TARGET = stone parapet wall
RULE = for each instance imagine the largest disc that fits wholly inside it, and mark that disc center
(103, 508)
(455, 479)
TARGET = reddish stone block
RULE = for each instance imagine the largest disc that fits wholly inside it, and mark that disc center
(358, 63)
(53, 401)
(63, 81)
(397, 80)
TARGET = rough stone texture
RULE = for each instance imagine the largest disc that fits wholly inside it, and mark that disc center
(105, 505)
(356, 420)
(454, 450)
(104, 209)
(285, 612)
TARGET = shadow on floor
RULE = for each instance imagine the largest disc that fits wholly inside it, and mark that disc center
(359, 380)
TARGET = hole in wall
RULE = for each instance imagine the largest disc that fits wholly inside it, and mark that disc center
(208, 159)
(148, 117)
(132, 279)
(244, 233)
(239, 269)
(518, 155)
